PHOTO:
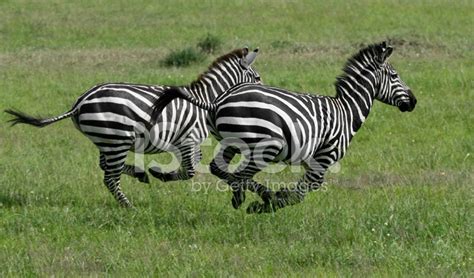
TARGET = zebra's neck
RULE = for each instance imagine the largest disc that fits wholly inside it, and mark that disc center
(356, 93)
(220, 77)
(204, 90)
(215, 81)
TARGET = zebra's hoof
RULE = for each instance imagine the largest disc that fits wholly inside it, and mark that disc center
(127, 205)
(156, 172)
(238, 198)
(256, 207)
(144, 178)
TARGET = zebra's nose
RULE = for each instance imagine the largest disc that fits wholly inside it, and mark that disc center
(412, 97)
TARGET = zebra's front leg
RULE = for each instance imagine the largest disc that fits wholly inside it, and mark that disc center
(113, 168)
(190, 155)
(279, 199)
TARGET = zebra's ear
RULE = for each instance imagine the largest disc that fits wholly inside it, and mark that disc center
(246, 50)
(383, 52)
(247, 61)
(388, 52)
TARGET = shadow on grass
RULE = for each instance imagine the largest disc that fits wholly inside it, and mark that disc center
(13, 200)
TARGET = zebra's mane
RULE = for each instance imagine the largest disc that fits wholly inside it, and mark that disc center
(240, 53)
(365, 57)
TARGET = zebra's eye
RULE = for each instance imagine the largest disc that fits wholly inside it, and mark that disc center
(393, 75)
(257, 78)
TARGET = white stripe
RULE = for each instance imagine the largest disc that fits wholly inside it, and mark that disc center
(107, 117)
(289, 122)
(277, 143)
(104, 130)
(114, 149)
(145, 91)
(249, 122)
(96, 139)
(230, 134)
(135, 94)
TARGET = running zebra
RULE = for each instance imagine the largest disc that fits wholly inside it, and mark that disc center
(119, 117)
(267, 124)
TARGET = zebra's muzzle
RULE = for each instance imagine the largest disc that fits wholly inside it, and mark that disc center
(408, 105)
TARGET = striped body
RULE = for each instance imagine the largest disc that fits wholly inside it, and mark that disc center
(290, 125)
(267, 124)
(120, 117)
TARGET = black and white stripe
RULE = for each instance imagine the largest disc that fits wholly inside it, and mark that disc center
(119, 117)
(267, 124)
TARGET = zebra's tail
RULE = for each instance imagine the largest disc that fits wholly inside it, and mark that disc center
(22, 118)
(174, 93)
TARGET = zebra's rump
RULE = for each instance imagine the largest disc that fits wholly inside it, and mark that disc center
(119, 114)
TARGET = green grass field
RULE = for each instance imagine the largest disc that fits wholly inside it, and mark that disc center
(401, 204)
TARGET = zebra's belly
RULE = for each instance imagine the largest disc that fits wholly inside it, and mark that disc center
(151, 143)
(138, 142)
(296, 153)
(158, 140)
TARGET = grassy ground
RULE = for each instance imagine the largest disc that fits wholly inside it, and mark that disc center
(401, 203)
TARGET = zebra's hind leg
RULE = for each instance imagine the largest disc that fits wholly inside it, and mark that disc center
(156, 172)
(190, 155)
(130, 170)
(220, 167)
(113, 168)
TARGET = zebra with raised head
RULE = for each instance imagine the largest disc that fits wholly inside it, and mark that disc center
(119, 118)
(267, 124)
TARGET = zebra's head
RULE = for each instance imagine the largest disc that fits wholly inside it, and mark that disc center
(249, 74)
(391, 89)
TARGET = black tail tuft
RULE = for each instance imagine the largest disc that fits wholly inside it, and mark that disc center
(160, 104)
(22, 118)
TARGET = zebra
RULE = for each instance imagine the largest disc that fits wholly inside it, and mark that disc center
(119, 117)
(268, 124)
